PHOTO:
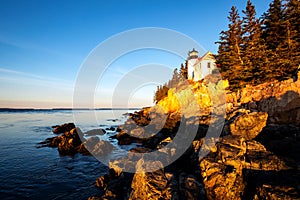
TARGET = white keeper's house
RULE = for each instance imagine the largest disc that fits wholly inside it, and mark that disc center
(199, 67)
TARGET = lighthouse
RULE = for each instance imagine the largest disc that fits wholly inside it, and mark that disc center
(200, 67)
(192, 58)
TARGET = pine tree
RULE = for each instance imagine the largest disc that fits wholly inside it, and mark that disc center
(281, 33)
(175, 78)
(276, 33)
(183, 71)
(229, 53)
(292, 39)
(273, 28)
(253, 46)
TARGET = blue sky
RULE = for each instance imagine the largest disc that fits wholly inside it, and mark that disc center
(44, 43)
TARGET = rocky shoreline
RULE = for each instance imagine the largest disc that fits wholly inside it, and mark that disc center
(257, 155)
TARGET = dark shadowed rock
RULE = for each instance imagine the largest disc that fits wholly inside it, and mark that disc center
(102, 148)
(87, 147)
(69, 142)
(190, 188)
(268, 191)
(98, 131)
(223, 171)
(110, 129)
(63, 128)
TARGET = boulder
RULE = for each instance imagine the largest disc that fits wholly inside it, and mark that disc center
(249, 125)
(111, 129)
(223, 170)
(190, 188)
(69, 142)
(86, 147)
(268, 191)
(102, 148)
(150, 185)
(221, 181)
(63, 128)
(98, 131)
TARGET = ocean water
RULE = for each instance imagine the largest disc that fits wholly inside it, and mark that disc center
(28, 172)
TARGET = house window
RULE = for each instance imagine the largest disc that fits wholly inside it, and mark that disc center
(208, 65)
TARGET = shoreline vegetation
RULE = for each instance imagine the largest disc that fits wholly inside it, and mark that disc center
(256, 155)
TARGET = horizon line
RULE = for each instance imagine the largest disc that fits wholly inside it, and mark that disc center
(62, 108)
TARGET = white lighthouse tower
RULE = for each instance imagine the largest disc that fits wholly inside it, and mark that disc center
(192, 58)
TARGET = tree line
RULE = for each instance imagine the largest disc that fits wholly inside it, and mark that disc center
(254, 50)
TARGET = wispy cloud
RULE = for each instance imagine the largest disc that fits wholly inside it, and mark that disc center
(13, 75)
(22, 44)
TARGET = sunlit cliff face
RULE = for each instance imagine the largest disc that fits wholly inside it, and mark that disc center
(193, 97)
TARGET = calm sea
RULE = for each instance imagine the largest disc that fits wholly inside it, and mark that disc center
(28, 172)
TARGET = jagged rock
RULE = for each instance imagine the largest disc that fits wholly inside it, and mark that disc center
(223, 170)
(267, 191)
(110, 129)
(284, 140)
(54, 142)
(102, 181)
(72, 142)
(86, 147)
(150, 185)
(137, 132)
(122, 164)
(67, 143)
(264, 160)
(114, 190)
(249, 125)
(190, 188)
(66, 146)
(92, 132)
(281, 100)
(102, 148)
(116, 185)
(94, 198)
(136, 154)
(63, 128)
(221, 181)
(261, 184)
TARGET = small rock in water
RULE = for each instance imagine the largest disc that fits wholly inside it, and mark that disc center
(63, 128)
(102, 148)
(110, 129)
(95, 132)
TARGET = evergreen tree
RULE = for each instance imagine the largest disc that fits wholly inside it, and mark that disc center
(229, 57)
(253, 46)
(175, 78)
(161, 92)
(292, 39)
(273, 25)
(276, 35)
(184, 71)
(281, 33)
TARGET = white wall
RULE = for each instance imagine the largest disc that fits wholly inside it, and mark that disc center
(191, 63)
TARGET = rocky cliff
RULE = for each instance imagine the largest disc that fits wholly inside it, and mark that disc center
(256, 156)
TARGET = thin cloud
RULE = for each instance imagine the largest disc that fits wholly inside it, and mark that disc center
(12, 74)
